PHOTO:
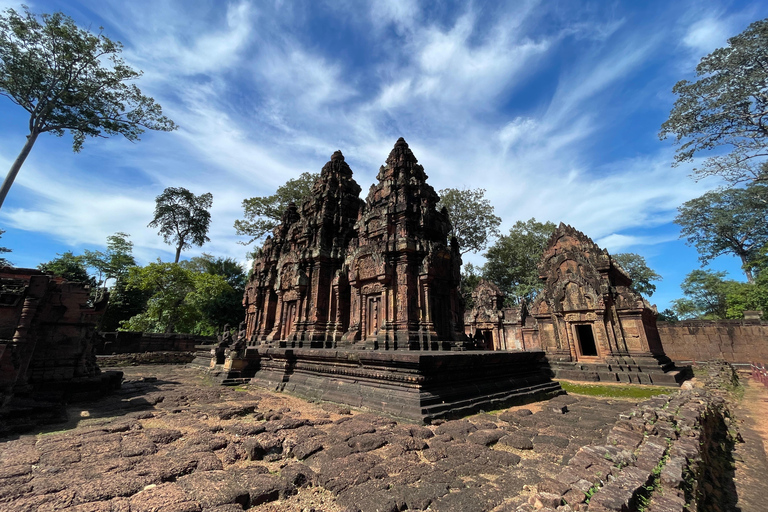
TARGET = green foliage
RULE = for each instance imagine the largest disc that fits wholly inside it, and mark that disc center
(727, 221)
(742, 297)
(705, 295)
(4, 262)
(124, 303)
(68, 266)
(512, 262)
(263, 214)
(668, 315)
(472, 220)
(637, 268)
(183, 218)
(470, 278)
(181, 300)
(115, 261)
(227, 306)
(70, 79)
(725, 107)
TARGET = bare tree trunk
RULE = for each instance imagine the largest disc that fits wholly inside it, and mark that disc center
(178, 253)
(9, 179)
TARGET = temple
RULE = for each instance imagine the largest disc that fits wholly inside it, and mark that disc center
(587, 319)
(358, 302)
(590, 321)
(376, 274)
(47, 334)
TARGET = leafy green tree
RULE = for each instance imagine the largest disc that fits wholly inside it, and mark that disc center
(741, 297)
(3, 250)
(472, 220)
(68, 78)
(183, 218)
(726, 107)
(638, 270)
(470, 278)
(115, 261)
(705, 295)
(68, 266)
(727, 221)
(668, 315)
(124, 303)
(180, 299)
(513, 260)
(263, 214)
(227, 307)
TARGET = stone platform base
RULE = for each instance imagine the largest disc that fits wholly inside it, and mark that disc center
(412, 385)
(659, 370)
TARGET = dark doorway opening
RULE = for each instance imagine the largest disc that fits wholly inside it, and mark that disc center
(586, 340)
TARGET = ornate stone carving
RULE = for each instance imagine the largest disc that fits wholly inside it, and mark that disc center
(334, 253)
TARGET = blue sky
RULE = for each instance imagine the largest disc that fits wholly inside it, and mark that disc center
(553, 107)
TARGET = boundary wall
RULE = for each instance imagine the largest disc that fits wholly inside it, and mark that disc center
(735, 341)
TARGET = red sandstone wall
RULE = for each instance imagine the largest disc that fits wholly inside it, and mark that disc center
(124, 342)
(736, 341)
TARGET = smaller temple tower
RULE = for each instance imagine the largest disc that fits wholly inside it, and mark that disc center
(590, 322)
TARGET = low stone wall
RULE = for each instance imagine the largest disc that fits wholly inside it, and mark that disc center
(671, 454)
(735, 341)
(124, 342)
(140, 358)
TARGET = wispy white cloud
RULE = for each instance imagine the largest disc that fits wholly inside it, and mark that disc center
(260, 97)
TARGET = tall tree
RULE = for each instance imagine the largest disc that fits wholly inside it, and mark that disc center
(639, 271)
(726, 107)
(472, 220)
(68, 78)
(730, 221)
(227, 306)
(470, 278)
(705, 295)
(68, 266)
(180, 300)
(115, 261)
(263, 214)
(183, 218)
(512, 262)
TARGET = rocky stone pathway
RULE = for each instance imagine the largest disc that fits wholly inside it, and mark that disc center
(169, 441)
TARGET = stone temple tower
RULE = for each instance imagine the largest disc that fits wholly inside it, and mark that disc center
(402, 272)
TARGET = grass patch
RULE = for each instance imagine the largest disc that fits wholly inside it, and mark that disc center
(614, 390)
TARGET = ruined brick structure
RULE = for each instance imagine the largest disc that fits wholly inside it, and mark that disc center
(47, 331)
(340, 272)
(497, 327)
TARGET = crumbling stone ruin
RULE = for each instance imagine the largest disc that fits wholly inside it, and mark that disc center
(340, 272)
(47, 332)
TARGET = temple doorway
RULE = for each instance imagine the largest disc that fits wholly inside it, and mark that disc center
(586, 338)
(290, 315)
(373, 319)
